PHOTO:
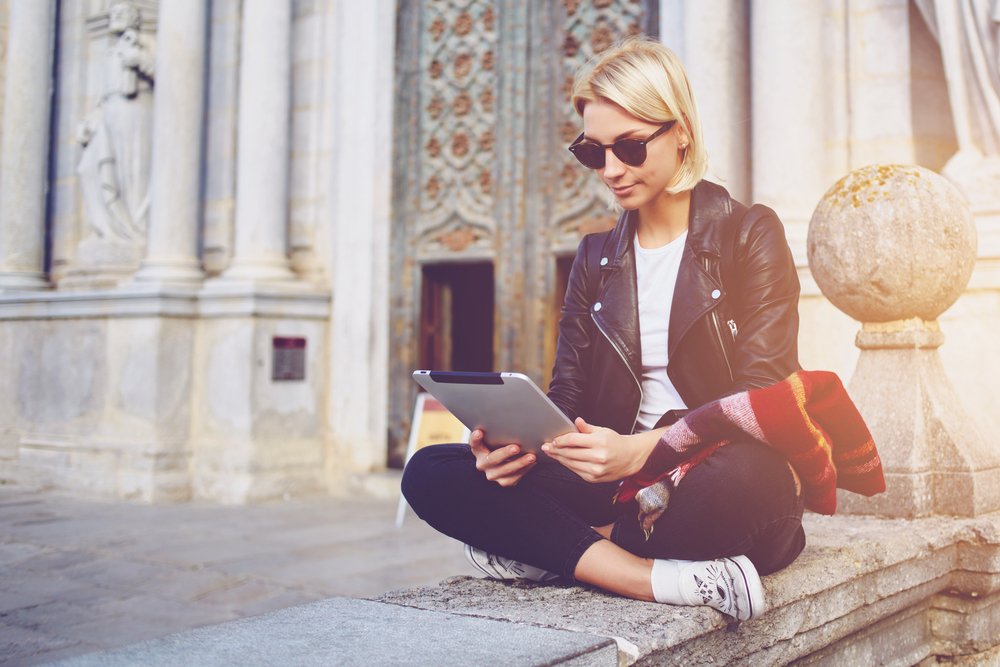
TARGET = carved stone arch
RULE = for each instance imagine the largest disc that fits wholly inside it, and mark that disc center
(455, 239)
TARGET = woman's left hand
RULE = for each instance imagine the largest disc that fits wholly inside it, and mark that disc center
(599, 454)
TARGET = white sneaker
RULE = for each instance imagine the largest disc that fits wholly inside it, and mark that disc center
(730, 585)
(505, 569)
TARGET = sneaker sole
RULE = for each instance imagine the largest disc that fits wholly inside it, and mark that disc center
(753, 589)
(479, 566)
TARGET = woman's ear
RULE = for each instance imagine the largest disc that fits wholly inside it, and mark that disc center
(683, 139)
(684, 132)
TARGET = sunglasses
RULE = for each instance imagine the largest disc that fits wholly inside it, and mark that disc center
(630, 151)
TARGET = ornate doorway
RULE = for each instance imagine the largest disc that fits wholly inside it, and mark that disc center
(482, 176)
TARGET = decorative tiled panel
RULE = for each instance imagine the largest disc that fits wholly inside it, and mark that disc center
(588, 28)
(458, 54)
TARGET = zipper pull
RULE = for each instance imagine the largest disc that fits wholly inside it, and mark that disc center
(732, 328)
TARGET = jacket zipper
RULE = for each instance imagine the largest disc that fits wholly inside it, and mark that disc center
(722, 346)
(628, 366)
(718, 333)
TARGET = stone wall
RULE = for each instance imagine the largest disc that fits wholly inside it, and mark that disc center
(4, 11)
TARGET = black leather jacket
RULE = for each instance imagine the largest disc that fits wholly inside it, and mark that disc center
(720, 342)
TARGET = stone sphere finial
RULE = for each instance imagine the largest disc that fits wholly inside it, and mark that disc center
(892, 242)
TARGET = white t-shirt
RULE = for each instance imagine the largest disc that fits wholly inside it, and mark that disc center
(656, 276)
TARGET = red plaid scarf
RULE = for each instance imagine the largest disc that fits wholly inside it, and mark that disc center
(808, 417)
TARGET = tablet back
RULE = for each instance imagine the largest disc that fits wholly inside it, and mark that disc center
(508, 407)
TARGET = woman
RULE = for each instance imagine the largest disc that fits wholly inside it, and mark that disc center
(689, 298)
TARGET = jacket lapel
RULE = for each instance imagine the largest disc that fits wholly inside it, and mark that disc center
(618, 316)
(692, 298)
(693, 293)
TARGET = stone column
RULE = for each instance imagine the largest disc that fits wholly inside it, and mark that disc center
(788, 153)
(178, 119)
(24, 155)
(260, 250)
(672, 25)
(363, 49)
(716, 54)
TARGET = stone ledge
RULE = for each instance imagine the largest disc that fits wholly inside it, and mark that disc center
(865, 591)
(238, 300)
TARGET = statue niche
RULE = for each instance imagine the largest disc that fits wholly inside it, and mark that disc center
(114, 167)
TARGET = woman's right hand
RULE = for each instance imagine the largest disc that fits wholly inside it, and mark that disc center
(502, 465)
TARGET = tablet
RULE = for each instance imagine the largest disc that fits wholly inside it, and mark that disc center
(508, 407)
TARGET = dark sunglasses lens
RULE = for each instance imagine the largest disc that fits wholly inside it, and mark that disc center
(630, 151)
(589, 155)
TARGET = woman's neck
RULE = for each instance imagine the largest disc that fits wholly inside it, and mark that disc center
(663, 219)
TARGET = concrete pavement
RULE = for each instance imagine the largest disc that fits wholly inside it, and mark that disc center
(341, 632)
(82, 574)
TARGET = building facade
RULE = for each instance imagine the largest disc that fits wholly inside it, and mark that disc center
(229, 230)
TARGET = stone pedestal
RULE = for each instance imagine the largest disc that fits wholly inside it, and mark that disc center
(255, 438)
(935, 459)
(108, 404)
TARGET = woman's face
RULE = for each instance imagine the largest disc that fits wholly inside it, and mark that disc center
(633, 187)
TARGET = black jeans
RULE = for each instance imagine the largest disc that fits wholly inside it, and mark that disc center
(741, 500)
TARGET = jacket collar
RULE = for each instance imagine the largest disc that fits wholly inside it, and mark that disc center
(709, 203)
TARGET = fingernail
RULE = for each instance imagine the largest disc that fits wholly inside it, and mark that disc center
(531, 459)
(545, 448)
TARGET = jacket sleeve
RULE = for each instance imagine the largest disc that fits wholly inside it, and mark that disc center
(574, 351)
(766, 349)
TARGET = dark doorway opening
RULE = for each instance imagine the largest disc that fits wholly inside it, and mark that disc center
(563, 266)
(564, 263)
(456, 317)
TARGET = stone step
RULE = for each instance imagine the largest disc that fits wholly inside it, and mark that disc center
(345, 631)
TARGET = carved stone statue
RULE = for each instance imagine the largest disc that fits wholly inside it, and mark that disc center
(117, 135)
(968, 32)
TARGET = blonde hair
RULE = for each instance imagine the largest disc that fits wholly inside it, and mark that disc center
(647, 80)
